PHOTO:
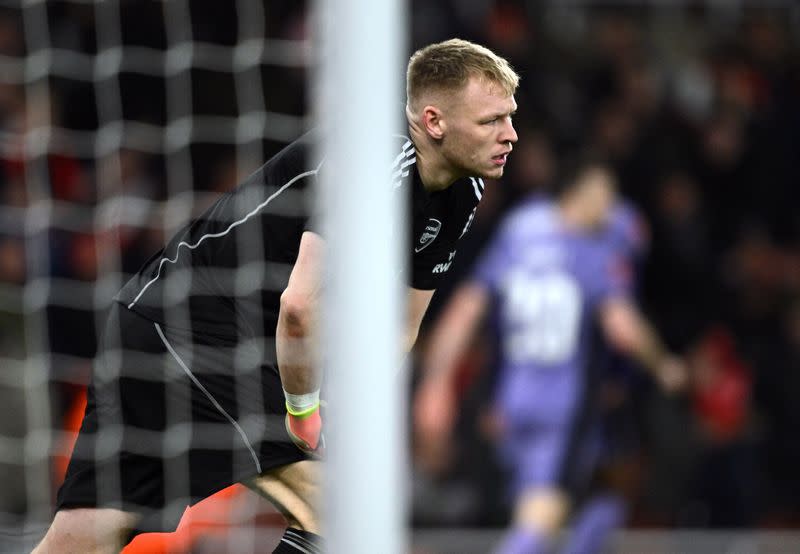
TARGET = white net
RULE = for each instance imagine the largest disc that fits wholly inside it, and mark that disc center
(119, 122)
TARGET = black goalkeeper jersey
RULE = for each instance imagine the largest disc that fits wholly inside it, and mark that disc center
(223, 274)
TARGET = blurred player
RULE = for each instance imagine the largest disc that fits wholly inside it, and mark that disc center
(604, 509)
(548, 278)
(192, 391)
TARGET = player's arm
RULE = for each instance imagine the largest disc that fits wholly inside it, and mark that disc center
(297, 349)
(296, 334)
(435, 403)
(417, 302)
(453, 331)
(629, 332)
(297, 345)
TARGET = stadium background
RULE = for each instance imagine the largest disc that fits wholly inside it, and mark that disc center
(119, 120)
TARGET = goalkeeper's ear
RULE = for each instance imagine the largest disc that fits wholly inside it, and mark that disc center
(433, 122)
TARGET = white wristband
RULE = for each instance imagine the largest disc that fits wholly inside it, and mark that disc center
(301, 402)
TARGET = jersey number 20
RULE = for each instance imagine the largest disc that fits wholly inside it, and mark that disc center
(542, 315)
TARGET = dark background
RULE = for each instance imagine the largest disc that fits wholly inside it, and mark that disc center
(697, 104)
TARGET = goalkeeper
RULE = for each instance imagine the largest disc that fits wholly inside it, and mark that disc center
(209, 374)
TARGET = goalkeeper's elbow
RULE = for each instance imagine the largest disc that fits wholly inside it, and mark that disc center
(295, 314)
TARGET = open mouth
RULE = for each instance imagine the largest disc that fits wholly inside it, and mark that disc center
(500, 159)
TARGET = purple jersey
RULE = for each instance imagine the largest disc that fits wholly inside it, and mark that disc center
(547, 282)
(627, 232)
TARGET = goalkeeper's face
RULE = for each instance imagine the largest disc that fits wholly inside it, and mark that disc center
(478, 132)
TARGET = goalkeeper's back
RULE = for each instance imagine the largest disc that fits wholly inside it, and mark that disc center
(223, 273)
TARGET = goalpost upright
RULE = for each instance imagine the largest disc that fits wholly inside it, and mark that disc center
(359, 102)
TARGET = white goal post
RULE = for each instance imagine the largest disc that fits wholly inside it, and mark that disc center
(360, 103)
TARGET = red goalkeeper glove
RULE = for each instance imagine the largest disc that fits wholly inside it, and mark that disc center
(305, 430)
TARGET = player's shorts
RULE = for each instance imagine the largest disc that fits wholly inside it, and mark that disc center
(563, 457)
(171, 418)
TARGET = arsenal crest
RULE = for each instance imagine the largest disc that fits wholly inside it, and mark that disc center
(428, 235)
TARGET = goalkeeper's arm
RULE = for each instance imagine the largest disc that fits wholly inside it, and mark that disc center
(434, 408)
(296, 334)
(296, 341)
(297, 344)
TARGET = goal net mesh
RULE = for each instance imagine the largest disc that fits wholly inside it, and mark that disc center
(120, 121)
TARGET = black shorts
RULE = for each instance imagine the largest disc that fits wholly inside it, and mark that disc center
(171, 418)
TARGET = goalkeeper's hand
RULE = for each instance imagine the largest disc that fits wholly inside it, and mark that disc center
(306, 432)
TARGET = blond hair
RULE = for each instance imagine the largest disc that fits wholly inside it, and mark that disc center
(447, 66)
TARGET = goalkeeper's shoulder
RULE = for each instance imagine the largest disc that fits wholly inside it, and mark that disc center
(295, 160)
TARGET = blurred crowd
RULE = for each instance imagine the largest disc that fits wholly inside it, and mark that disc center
(697, 106)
